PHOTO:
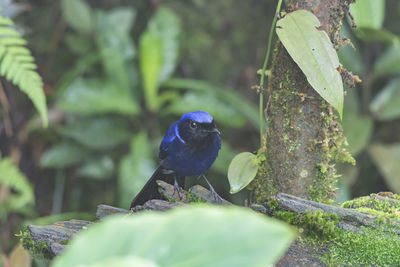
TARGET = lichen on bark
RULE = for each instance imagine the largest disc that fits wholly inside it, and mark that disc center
(304, 137)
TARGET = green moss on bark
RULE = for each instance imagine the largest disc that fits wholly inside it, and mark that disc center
(367, 247)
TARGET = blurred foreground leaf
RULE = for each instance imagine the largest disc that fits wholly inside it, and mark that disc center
(135, 169)
(386, 158)
(313, 52)
(186, 236)
(386, 104)
(97, 133)
(242, 171)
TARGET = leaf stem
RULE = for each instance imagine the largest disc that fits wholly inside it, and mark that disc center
(271, 31)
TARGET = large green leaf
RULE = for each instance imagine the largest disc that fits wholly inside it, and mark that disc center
(234, 99)
(78, 15)
(242, 171)
(385, 105)
(386, 157)
(368, 13)
(135, 169)
(223, 112)
(93, 96)
(167, 26)
(115, 45)
(313, 52)
(63, 155)
(389, 62)
(186, 236)
(150, 64)
(97, 133)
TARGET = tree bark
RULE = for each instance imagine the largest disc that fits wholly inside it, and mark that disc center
(303, 135)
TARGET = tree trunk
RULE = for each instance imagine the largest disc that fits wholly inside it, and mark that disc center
(304, 137)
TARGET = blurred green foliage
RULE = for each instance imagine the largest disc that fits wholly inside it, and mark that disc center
(118, 73)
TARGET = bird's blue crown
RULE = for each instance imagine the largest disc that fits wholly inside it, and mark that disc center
(198, 116)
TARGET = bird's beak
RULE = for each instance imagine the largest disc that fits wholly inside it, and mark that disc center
(213, 130)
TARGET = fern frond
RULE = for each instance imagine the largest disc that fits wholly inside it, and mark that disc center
(22, 192)
(17, 65)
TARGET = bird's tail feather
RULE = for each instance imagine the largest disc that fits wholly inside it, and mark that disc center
(150, 189)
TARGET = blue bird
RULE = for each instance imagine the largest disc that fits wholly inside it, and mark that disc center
(189, 148)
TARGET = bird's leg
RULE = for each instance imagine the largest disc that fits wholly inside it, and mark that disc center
(177, 188)
(217, 198)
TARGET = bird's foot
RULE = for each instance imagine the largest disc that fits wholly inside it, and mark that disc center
(217, 198)
(178, 190)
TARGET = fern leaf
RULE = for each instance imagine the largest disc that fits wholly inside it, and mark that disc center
(17, 65)
(22, 192)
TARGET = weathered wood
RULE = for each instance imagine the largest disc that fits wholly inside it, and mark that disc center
(49, 240)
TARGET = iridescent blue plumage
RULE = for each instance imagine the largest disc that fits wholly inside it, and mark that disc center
(189, 148)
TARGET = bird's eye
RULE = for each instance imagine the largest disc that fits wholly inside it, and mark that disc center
(193, 125)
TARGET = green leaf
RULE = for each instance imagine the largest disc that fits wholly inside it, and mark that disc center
(389, 62)
(63, 155)
(243, 106)
(135, 169)
(368, 13)
(223, 113)
(313, 52)
(16, 65)
(242, 171)
(385, 105)
(386, 158)
(22, 192)
(78, 15)
(368, 34)
(93, 96)
(150, 64)
(98, 168)
(167, 26)
(357, 128)
(124, 262)
(208, 236)
(97, 133)
(116, 45)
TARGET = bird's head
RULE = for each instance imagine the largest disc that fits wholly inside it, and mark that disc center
(197, 126)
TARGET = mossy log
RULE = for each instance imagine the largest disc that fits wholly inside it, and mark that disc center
(361, 232)
(331, 235)
(50, 240)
